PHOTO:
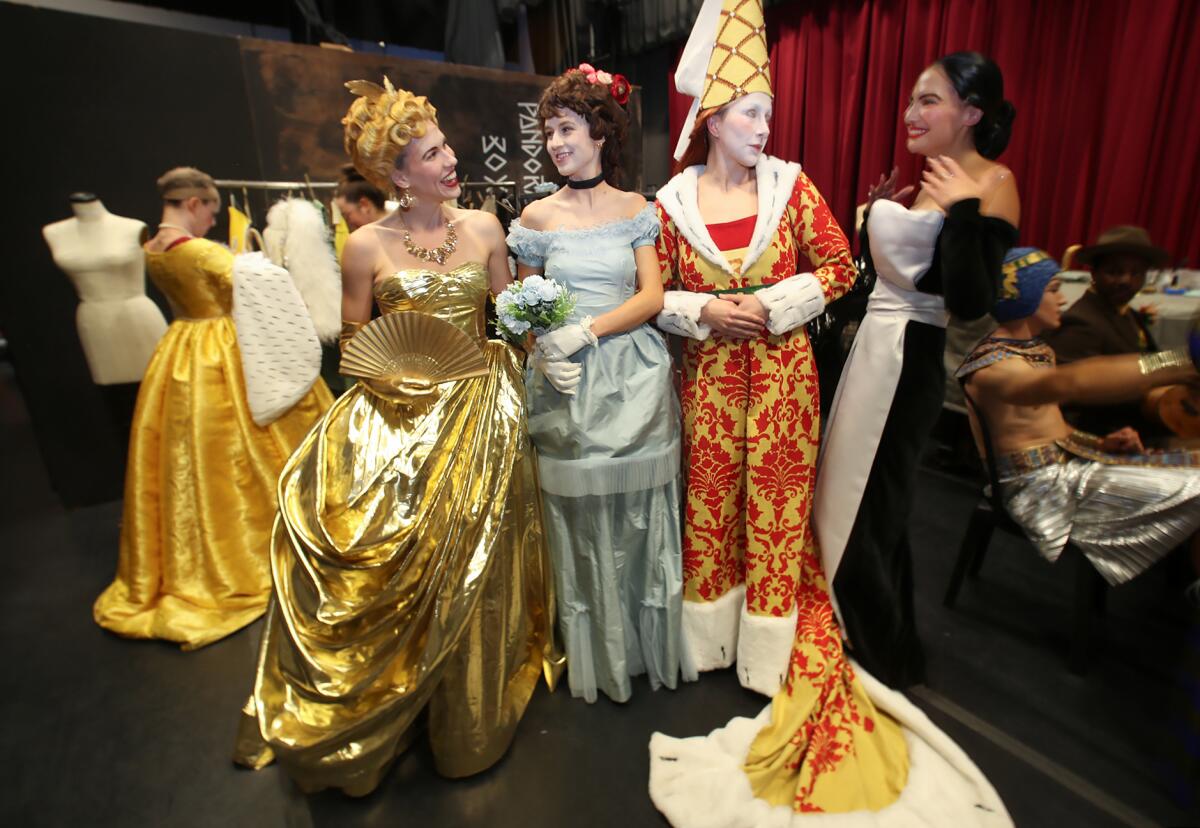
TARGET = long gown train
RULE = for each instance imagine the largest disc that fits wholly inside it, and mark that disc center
(410, 569)
(200, 480)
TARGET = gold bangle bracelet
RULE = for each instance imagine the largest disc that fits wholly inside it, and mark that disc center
(349, 329)
(1164, 360)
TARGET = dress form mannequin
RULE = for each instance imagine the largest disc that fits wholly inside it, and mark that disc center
(102, 254)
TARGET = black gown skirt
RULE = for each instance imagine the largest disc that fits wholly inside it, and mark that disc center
(874, 581)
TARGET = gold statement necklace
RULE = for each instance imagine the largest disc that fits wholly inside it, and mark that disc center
(432, 254)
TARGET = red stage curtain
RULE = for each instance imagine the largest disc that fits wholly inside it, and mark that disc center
(1107, 95)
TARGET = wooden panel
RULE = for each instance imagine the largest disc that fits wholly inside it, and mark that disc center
(298, 99)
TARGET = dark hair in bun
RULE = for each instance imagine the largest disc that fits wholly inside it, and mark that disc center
(978, 82)
(354, 188)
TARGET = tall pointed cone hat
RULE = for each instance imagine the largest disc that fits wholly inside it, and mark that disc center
(725, 58)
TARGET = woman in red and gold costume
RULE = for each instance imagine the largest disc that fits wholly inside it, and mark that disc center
(750, 253)
(737, 234)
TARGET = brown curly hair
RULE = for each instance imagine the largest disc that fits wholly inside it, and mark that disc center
(380, 124)
(593, 102)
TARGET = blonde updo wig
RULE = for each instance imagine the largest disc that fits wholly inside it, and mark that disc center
(380, 123)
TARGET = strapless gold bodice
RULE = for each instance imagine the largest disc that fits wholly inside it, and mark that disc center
(196, 277)
(458, 296)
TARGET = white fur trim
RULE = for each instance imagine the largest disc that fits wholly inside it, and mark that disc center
(776, 179)
(710, 629)
(698, 782)
(681, 314)
(793, 302)
(298, 239)
(764, 651)
(679, 200)
(280, 355)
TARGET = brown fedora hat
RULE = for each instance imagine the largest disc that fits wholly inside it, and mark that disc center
(1124, 239)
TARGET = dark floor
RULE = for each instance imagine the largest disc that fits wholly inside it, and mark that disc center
(101, 731)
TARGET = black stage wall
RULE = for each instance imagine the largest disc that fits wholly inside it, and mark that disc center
(106, 106)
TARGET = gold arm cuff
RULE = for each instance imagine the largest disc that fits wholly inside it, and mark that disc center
(1163, 360)
(349, 329)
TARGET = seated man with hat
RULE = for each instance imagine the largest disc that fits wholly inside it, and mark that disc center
(1124, 507)
(1102, 323)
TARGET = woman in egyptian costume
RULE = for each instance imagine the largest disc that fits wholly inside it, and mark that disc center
(409, 561)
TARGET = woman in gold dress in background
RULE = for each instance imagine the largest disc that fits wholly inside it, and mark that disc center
(200, 480)
(409, 561)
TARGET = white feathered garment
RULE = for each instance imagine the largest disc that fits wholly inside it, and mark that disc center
(299, 240)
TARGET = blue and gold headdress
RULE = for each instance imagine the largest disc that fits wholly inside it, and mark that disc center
(1026, 272)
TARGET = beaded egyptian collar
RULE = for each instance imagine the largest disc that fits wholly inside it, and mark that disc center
(993, 349)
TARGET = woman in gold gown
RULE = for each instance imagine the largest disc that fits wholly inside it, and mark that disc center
(200, 480)
(409, 562)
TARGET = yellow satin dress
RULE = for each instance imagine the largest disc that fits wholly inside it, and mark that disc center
(410, 568)
(200, 479)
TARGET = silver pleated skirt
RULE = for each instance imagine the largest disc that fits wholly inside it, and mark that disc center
(1123, 516)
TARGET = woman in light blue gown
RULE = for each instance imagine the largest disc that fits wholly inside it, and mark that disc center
(602, 408)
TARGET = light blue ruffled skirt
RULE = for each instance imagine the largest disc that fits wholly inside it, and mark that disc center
(609, 468)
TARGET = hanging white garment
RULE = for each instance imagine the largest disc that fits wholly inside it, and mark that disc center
(281, 357)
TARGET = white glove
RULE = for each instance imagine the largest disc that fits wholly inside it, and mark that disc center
(681, 314)
(565, 341)
(560, 373)
(791, 303)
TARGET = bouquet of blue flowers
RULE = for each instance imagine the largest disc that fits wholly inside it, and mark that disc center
(537, 305)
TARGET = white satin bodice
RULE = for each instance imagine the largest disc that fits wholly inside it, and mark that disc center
(902, 245)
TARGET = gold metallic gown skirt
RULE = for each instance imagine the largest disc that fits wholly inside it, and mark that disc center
(410, 568)
(199, 493)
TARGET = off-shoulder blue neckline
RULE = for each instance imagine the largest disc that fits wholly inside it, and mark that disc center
(594, 229)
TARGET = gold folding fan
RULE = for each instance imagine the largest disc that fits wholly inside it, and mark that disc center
(411, 346)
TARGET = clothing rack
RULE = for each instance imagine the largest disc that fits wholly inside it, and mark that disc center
(269, 191)
(507, 195)
(230, 183)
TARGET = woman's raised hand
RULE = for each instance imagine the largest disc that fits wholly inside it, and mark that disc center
(886, 188)
(947, 183)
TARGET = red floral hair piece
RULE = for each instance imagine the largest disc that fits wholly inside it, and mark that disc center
(618, 85)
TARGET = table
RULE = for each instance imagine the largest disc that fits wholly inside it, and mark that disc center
(1175, 312)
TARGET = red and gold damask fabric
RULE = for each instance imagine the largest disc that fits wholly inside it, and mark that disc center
(827, 749)
(751, 418)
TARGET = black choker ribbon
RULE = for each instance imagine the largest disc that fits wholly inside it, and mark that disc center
(585, 185)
